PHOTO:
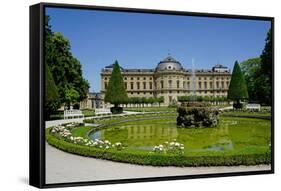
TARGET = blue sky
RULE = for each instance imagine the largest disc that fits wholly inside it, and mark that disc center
(98, 38)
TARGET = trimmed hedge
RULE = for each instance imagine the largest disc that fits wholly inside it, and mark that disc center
(156, 159)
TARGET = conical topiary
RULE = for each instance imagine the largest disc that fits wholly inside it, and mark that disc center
(237, 88)
(115, 92)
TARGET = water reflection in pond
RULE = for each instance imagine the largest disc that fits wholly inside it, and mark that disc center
(230, 134)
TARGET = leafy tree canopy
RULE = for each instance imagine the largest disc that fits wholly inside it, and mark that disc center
(71, 96)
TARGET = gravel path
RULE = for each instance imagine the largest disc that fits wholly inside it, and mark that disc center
(66, 167)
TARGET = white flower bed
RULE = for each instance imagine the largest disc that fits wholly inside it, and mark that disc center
(64, 132)
(169, 147)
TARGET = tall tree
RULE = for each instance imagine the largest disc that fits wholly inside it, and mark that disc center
(65, 68)
(115, 92)
(237, 88)
(251, 69)
(266, 56)
(265, 77)
(258, 74)
(51, 93)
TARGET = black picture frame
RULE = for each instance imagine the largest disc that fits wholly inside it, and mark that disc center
(37, 123)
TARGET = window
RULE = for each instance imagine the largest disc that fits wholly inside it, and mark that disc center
(188, 85)
(205, 78)
(144, 93)
(170, 83)
(132, 78)
(227, 83)
(138, 85)
(187, 78)
(162, 84)
(150, 85)
(144, 78)
(125, 78)
(138, 78)
(132, 93)
(150, 78)
(222, 84)
(178, 84)
(105, 78)
(217, 84)
(211, 84)
(144, 85)
(105, 85)
(132, 85)
(125, 85)
(184, 85)
(199, 84)
(138, 93)
(205, 85)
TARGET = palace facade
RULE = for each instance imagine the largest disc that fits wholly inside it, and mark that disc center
(170, 80)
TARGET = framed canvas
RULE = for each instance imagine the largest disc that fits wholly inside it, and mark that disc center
(129, 95)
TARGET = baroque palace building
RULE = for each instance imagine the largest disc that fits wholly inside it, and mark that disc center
(170, 80)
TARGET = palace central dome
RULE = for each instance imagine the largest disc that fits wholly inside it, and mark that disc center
(169, 63)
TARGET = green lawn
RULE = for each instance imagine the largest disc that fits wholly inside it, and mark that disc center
(114, 119)
(247, 113)
(81, 131)
(150, 109)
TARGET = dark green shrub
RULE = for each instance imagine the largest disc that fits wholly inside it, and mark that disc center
(238, 105)
(197, 116)
(76, 106)
(116, 110)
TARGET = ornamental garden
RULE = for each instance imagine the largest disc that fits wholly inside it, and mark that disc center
(193, 131)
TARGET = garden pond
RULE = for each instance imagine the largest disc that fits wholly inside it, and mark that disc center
(232, 133)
